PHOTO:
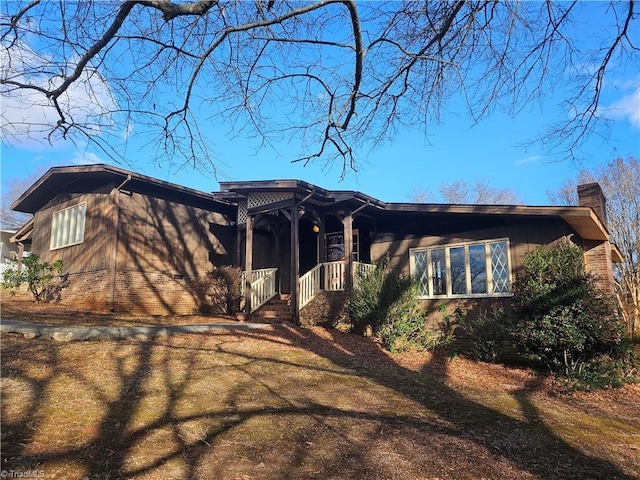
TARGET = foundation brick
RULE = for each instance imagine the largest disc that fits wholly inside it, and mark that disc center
(138, 293)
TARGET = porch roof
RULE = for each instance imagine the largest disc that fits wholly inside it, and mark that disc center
(582, 219)
(235, 191)
(23, 235)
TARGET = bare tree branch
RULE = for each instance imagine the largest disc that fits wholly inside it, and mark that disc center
(619, 182)
(13, 23)
(329, 77)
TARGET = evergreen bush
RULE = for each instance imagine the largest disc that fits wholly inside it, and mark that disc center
(487, 336)
(561, 319)
(219, 291)
(388, 304)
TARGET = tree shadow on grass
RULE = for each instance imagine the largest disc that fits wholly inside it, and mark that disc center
(209, 406)
(529, 444)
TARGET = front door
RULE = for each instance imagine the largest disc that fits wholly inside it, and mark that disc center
(334, 246)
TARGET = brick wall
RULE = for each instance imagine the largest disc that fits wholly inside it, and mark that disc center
(597, 255)
(153, 293)
(87, 290)
(136, 293)
(597, 259)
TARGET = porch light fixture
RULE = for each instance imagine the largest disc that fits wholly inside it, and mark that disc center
(316, 228)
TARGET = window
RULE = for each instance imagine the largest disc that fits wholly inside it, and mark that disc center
(334, 245)
(67, 226)
(470, 269)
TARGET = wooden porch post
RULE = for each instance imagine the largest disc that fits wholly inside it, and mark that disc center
(237, 260)
(276, 238)
(321, 253)
(347, 222)
(20, 256)
(248, 263)
(295, 264)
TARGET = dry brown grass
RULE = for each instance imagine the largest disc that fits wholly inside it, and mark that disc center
(298, 403)
(22, 308)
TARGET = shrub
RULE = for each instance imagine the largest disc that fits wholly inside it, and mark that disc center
(37, 275)
(487, 335)
(403, 326)
(561, 319)
(388, 303)
(373, 296)
(607, 371)
(219, 290)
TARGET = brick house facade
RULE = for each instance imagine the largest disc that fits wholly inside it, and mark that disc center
(143, 240)
(131, 243)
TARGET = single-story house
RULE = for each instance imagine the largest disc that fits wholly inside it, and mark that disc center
(133, 243)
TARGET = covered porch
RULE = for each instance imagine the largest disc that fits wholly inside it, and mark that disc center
(291, 240)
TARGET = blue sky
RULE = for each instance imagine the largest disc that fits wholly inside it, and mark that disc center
(455, 149)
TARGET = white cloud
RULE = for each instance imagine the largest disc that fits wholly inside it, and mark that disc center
(625, 109)
(531, 159)
(127, 131)
(85, 158)
(28, 116)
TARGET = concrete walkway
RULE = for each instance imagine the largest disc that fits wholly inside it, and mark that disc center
(65, 334)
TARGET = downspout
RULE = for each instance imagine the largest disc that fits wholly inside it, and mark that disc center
(114, 249)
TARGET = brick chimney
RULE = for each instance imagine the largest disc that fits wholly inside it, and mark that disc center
(590, 195)
(597, 255)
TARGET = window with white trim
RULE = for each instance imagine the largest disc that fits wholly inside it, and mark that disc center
(473, 269)
(67, 226)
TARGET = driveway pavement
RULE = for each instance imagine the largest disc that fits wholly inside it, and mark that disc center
(65, 334)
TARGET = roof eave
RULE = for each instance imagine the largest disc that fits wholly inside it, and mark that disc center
(616, 254)
(23, 233)
(582, 219)
(586, 223)
(22, 204)
(297, 186)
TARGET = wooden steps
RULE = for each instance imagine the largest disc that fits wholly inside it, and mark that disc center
(276, 310)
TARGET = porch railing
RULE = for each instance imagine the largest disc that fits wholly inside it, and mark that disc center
(361, 270)
(310, 285)
(334, 273)
(263, 286)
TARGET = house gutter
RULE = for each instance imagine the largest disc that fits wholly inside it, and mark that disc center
(114, 250)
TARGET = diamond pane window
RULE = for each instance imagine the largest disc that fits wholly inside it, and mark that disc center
(420, 271)
(499, 267)
(473, 269)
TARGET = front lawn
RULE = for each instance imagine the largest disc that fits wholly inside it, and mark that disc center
(298, 403)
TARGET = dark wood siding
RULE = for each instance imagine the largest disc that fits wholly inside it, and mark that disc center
(156, 235)
(93, 253)
(522, 235)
